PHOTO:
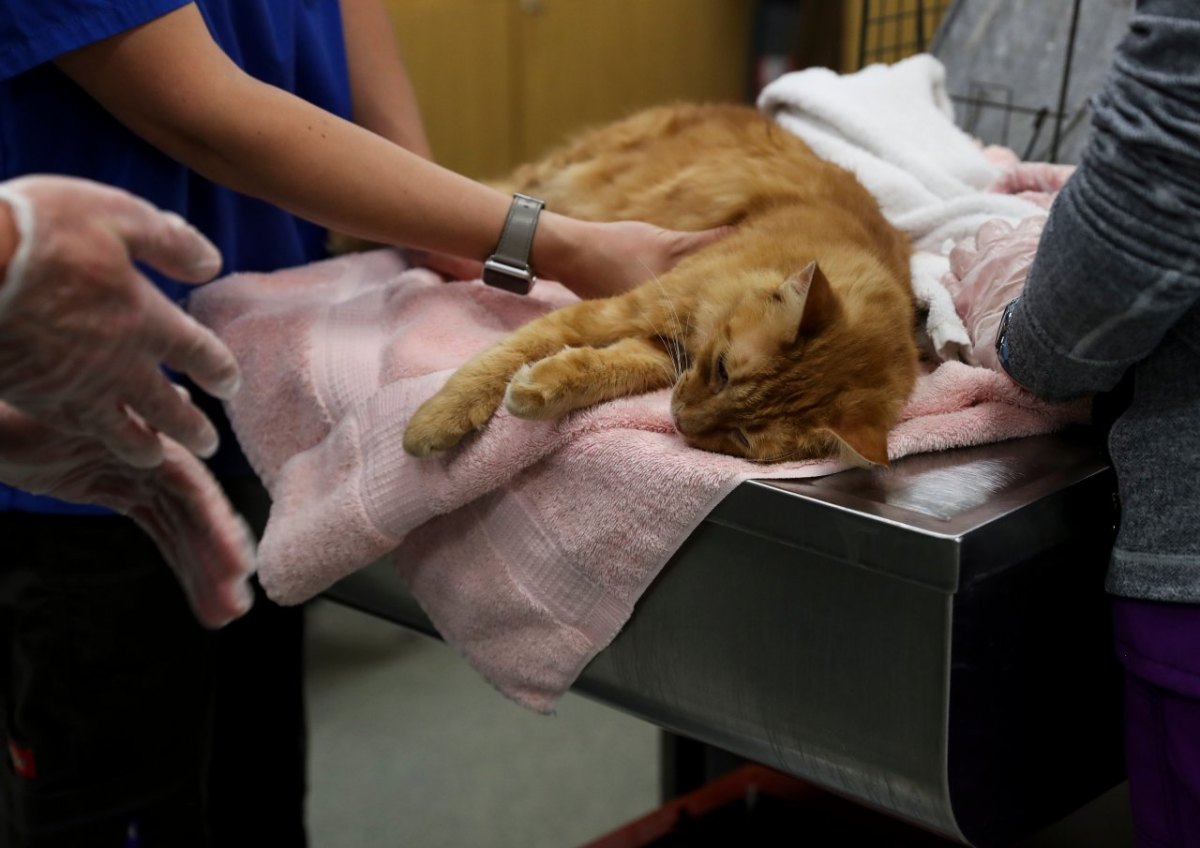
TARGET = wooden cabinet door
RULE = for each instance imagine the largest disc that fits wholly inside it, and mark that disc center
(501, 81)
(584, 62)
(458, 53)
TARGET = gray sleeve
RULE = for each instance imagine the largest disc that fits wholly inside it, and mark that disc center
(1119, 260)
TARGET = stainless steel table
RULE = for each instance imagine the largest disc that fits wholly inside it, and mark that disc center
(931, 640)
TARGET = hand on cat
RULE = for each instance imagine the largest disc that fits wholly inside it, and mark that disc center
(178, 504)
(987, 272)
(611, 258)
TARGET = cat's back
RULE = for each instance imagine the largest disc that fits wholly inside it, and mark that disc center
(685, 166)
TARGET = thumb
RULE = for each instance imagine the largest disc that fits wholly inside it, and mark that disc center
(687, 243)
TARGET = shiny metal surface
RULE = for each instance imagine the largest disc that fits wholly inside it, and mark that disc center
(892, 635)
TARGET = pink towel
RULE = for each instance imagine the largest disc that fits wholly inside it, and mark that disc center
(528, 545)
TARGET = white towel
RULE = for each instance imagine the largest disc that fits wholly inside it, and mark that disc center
(893, 127)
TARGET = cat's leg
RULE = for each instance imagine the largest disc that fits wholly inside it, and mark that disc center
(468, 399)
(577, 377)
(473, 393)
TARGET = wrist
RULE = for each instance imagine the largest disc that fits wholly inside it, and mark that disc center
(1002, 339)
(556, 246)
(1003, 346)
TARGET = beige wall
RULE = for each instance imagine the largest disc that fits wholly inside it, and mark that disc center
(499, 81)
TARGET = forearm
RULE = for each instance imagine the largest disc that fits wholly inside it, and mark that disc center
(171, 84)
(1117, 263)
(381, 91)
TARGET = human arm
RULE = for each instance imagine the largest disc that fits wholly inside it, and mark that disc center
(170, 83)
(178, 504)
(83, 334)
(1117, 265)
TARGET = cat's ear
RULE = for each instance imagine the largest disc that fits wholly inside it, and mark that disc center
(811, 297)
(862, 444)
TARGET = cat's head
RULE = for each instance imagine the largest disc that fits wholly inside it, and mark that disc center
(781, 376)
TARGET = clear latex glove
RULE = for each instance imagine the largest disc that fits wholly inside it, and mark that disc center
(1039, 177)
(178, 504)
(987, 272)
(83, 333)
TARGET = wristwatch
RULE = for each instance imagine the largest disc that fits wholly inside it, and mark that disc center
(1002, 333)
(508, 266)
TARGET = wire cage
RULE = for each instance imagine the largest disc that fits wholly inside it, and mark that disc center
(1020, 73)
(1044, 120)
(1022, 79)
(890, 30)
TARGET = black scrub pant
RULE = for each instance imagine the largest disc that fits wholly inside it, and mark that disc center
(125, 723)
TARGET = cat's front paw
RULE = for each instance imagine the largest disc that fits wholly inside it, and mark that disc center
(441, 423)
(536, 392)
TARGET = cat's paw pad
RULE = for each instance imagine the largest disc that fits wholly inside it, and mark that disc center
(532, 396)
(439, 425)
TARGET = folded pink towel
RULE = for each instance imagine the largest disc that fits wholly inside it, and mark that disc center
(528, 545)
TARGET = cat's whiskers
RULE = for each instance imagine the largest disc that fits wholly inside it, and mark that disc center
(673, 343)
(783, 457)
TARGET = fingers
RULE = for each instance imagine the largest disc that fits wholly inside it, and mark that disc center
(170, 336)
(163, 407)
(125, 434)
(991, 232)
(130, 424)
(962, 257)
(206, 543)
(162, 239)
(689, 243)
(189, 347)
(167, 242)
(1031, 227)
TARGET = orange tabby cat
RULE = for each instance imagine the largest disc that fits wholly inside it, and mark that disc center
(791, 338)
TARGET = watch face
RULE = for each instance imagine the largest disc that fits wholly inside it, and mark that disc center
(1002, 331)
(507, 277)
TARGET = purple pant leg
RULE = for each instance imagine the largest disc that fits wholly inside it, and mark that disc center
(1159, 646)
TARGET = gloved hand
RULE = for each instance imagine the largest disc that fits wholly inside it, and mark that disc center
(83, 333)
(1041, 177)
(178, 504)
(987, 272)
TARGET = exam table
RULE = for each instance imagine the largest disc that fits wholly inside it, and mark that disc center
(931, 640)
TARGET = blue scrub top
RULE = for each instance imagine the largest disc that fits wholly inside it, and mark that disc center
(49, 125)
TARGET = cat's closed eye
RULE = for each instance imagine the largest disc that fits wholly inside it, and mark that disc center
(722, 373)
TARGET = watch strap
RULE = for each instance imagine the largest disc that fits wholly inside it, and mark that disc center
(1002, 332)
(508, 266)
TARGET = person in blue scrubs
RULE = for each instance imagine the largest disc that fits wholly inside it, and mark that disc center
(264, 123)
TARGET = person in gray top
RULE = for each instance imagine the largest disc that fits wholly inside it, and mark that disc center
(1112, 299)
